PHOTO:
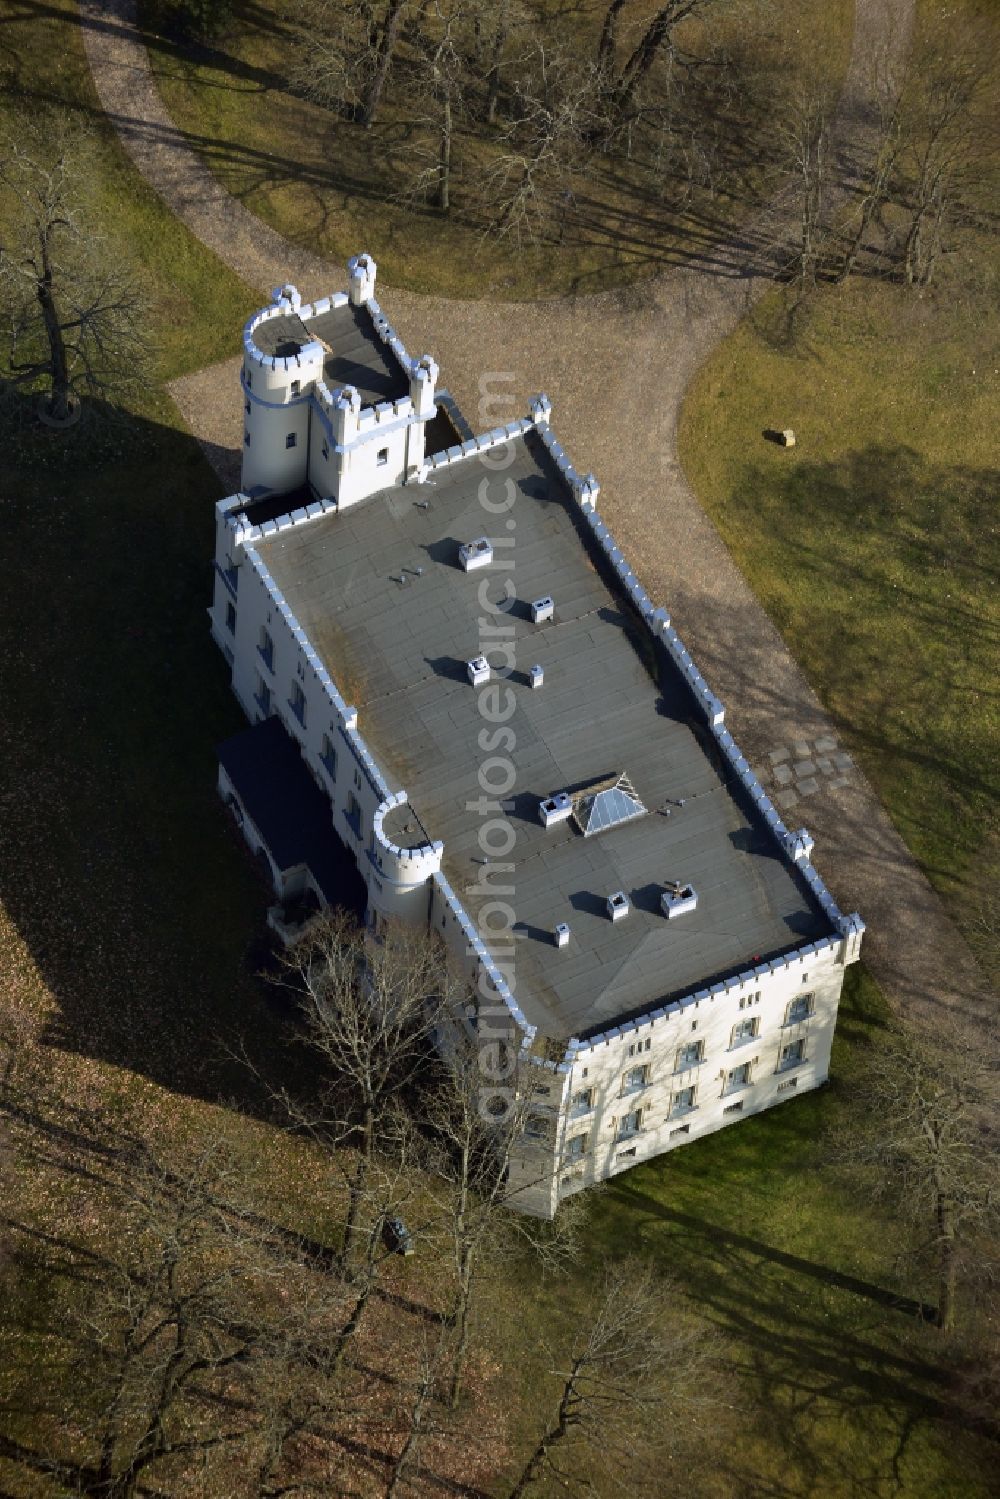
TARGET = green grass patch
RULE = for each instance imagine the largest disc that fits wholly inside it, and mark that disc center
(874, 543)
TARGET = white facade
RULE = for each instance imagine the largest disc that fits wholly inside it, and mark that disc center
(298, 431)
(706, 1060)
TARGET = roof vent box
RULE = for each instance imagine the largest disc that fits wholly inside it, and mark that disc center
(555, 809)
(618, 905)
(561, 934)
(479, 670)
(541, 610)
(478, 553)
(678, 898)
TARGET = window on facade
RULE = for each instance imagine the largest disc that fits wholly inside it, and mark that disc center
(750, 999)
(353, 814)
(682, 1129)
(582, 1102)
(799, 1009)
(248, 408)
(263, 696)
(382, 457)
(733, 1108)
(630, 1124)
(291, 440)
(791, 1082)
(535, 1127)
(296, 387)
(266, 647)
(231, 618)
(683, 1100)
(792, 1055)
(635, 1077)
(575, 1147)
(246, 439)
(689, 1055)
(325, 450)
(745, 1030)
(738, 1077)
(297, 703)
(328, 755)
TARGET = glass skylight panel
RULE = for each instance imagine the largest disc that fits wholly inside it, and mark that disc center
(608, 807)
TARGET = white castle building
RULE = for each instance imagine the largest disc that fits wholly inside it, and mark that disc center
(454, 676)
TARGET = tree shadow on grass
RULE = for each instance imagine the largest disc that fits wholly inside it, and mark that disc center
(135, 899)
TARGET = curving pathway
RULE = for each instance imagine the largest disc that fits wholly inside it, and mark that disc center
(616, 366)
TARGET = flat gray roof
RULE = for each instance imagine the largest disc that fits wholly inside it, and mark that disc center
(357, 355)
(398, 652)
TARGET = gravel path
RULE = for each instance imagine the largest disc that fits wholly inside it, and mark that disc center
(616, 366)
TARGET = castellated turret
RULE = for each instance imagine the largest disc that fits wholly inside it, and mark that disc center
(333, 403)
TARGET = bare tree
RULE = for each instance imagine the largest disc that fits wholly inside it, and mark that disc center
(437, 102)
(371, 1008)
(634, 1380)
(76, 323)
(656, 39)
(949, 133)
(171, 1299)
(345, 53)
(803, 137)
(541, 149)
(924, 1124)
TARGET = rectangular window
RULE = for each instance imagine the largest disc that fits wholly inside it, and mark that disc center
(246, 439)
(750, 999)
(266, 647)
(353, 814)
(734, 1108)
(689, 1055)
(745, 1030)
(800, 1009)
(630, 1124)
(248, 408)
(291, 440)
(535, 1127)
(263, 696)
(576, 1147)
(683, 1101)
(739, 1077)
(231, 618)
(634, 1078)
(297, 703)
(326, 450)
(296, 387)
(792, 1082)
(682, 1129)
(792, 1055)
(382, 457)
(581, 1103)
(328, 755)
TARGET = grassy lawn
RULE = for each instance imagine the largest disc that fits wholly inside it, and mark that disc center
(336, 187)
(874, 544)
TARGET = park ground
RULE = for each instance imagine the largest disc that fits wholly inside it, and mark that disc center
(131, 918)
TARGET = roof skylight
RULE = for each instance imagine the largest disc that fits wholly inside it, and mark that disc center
(607, 805)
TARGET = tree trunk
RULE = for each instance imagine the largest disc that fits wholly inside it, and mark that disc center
(444, 157)
(946, 1262)
(496, 62)
(533, 1467)
(657, 33)
(383, 57)
(460, 1317)
(59, 388)
(609, 36)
